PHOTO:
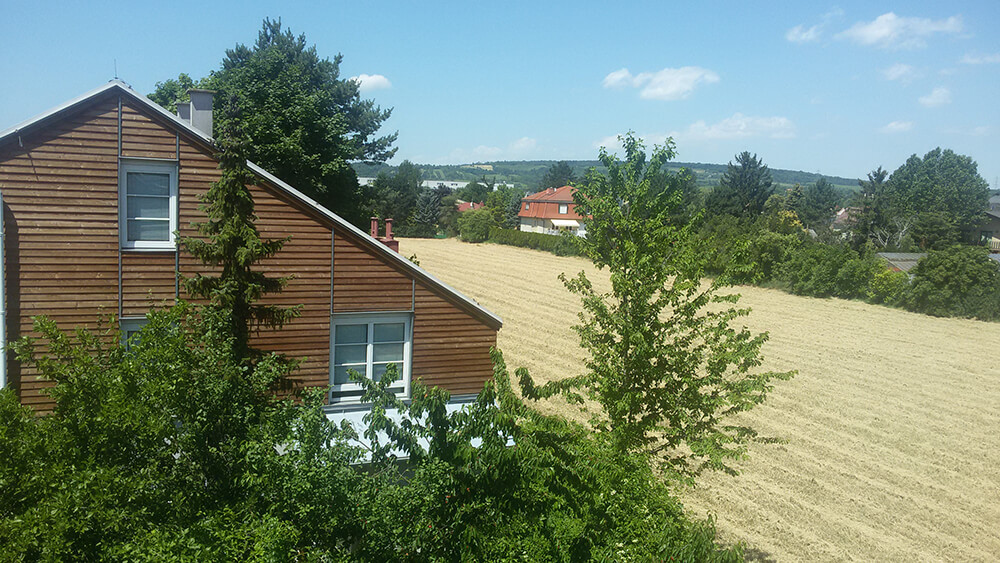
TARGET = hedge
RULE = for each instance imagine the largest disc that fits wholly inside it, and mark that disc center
(560, 245)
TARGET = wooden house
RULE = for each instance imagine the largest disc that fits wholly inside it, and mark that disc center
(551, 211)
(93, 192)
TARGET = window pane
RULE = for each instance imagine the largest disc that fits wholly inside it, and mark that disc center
(388, 352)
(148, 207)
(389, 332)
(381, 368)
(148, 229)
(148, 183)
(340, 373)
(352, 334)
(352, 354)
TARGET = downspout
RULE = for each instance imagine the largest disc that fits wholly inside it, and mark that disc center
(3, 305)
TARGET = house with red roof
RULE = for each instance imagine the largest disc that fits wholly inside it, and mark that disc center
(464, 206)
(551, 211)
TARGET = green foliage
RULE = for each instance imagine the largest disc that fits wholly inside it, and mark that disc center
(961, 281)
(474, 226)
(448, 215)
(395, 196)
(169, 449)
(304, 120)
(168, 92)
(743, 190)
(761, 257)
(476, 191)
(818, 204)
(665, 365)
(558, 175)
(505, 202)
(425, 217)
(934, 230)
(233, 244)
(561, 245)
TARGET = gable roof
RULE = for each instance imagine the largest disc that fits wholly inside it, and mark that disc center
(334, 220)
(561, 195)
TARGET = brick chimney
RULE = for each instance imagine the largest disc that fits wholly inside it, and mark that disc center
(387, 239)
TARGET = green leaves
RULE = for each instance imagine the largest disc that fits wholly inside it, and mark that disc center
(665, 367)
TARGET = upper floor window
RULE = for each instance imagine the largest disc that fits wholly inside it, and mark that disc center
(130, 327)
(563, 208)
(148, 204)
(368, 344)
(527, 206)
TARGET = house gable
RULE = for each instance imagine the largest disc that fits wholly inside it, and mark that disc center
(59, 179)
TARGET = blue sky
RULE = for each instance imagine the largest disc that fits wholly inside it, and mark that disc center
(837, 89)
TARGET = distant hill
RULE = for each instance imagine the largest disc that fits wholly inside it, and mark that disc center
(528, 173)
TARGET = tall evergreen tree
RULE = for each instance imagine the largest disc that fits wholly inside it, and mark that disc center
(233, 245)
(743, 189)
(558, 175)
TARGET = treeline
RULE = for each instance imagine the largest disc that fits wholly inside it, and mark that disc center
(528, 174)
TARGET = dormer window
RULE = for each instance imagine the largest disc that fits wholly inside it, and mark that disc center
(563, 208)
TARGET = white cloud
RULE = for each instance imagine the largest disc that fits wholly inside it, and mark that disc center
(799, 34)
(977, 59)
(890, 31)
(981, 131)
(938, 97)
(369, 82)
(518, 149)
(899, 71)
(667, 84)
(523, 145)
(741, 126)
(618, 79)
(897, 127)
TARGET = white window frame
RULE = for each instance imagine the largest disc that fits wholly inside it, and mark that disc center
(370, 319)
(154, 167)
(563, 208)
(130, 324)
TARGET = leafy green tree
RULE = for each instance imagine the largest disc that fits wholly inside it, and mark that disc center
(934, 230)
(961, 281)
(476, 191)
(505, 202)
(305, 122)
(233, 244)
(558, 175)
(395, 195)
(941, 181)
(168, 92)
(474, 226)
(665, 365)
(744, 188)
(874, 217)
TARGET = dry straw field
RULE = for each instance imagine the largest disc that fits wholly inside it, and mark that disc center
(891, 427)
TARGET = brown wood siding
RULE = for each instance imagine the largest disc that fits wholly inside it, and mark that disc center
(60, 190)
(61, 218)
(305, 257)
(451, 348)
(148, 281)
(363, 281)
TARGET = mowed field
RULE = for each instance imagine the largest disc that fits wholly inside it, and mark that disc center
(891, 427)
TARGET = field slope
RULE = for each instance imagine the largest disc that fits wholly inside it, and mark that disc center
(892, 425)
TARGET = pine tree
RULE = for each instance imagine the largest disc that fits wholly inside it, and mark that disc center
(233, 245)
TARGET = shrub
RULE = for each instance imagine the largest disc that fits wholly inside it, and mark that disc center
(887, 286)
(814, 268)
(560, 245)
(961, 281)
(474, 226)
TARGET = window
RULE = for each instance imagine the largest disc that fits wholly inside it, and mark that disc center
(368, 343)
(130, 328)
(527, 206)
(148, 204)
(563, 208)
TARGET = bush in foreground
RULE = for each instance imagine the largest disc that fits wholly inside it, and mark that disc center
(171, 448)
